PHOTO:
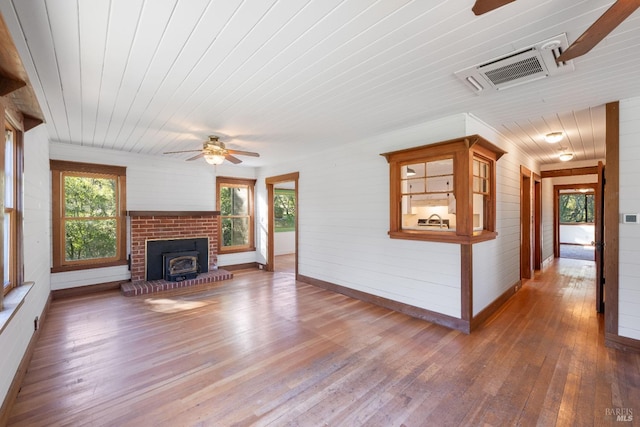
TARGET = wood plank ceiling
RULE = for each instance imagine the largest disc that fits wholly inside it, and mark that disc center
(286, 77)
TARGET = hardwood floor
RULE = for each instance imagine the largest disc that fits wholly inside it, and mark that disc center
(262, 349)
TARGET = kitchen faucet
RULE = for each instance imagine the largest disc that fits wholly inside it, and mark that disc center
(436, 216)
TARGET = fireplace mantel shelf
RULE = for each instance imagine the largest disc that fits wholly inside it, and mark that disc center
(173, 213)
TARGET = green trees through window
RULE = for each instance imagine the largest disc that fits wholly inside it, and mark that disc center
(284, 207)
(88, 215)
(90, 223)
(234, 212)
(577, 208)
(235, 203)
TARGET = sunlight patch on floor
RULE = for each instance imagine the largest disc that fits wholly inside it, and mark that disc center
(166, 305)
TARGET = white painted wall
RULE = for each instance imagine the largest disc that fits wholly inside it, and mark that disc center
(629, 240)
(284, 243)
(577, 234)
(344, 220)
(37, 242)
(153, 184)
(496, 263)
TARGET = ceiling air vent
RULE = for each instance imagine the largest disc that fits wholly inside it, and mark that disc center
(523, 66)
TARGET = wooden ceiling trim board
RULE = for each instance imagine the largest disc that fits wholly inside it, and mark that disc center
(14, 81)
(8, 85)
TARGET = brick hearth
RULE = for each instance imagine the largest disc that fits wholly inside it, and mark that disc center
(142, 287)
(154, 225)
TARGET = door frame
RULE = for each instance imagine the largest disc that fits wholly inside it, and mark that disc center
(556, 208)
(599, 239)
(537, 222)
(526, 253)
(612, 224)
(271, 183)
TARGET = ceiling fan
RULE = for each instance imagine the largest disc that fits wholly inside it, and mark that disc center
(215, 152)
(613, 17)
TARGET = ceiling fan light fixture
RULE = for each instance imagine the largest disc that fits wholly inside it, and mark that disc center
(554, 137)
(214, 159)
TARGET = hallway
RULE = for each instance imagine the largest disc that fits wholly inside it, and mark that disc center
(262, 349)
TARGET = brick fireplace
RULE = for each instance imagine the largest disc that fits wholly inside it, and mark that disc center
(161, 225)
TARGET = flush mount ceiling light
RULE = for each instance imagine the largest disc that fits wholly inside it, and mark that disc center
(553, 137)
(565, 156)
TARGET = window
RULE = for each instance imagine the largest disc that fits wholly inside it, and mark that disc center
(577, 208)
(88, 215)
(235, 203)
(284, 209)
(12, 161)
(444, 191)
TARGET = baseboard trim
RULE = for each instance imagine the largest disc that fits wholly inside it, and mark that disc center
(86, 290)
(16, 383)
(495, 306)
(547, 262)
(410, 310)
(622, 343)
(245, 266)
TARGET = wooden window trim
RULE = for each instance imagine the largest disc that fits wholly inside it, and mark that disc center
(16, 257)
(223, 181)
(58, 170)
(462, 150)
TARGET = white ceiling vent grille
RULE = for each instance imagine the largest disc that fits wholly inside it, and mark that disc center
(523, 66)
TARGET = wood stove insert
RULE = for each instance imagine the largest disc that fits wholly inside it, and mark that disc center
(176, 259)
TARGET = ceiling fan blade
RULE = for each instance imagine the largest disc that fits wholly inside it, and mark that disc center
(484, 6)
(232, 159)
(183, 151)
(244, 153)
(600, 29)
(196, 157)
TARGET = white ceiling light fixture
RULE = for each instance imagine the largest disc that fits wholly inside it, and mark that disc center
(554, 137)
(565, 156)
(214, 159)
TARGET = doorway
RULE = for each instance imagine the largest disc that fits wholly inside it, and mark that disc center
(530, 223)
(574, 220)
(282, 230)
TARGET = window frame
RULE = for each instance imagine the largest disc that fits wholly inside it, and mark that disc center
(60, 169)
(223, 181)
(463, 151)
(15, 212)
